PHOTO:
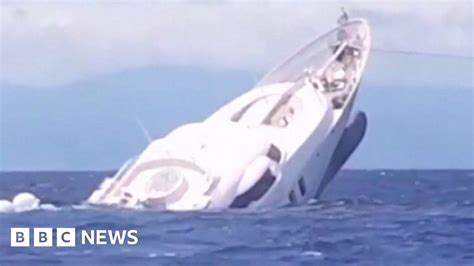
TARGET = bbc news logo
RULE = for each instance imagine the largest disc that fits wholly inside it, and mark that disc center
(66, 237)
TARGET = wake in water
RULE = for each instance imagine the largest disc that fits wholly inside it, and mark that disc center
(25, 201)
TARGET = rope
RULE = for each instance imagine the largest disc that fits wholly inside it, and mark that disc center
(418, 53)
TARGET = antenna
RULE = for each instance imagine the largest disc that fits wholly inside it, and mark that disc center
(145, 132)
(344, 17)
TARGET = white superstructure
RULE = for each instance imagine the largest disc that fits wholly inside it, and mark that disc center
(271, 146)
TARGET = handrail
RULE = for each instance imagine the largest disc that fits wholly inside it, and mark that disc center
(307, 45)
(333, 57)
(283, 100)
(291, 91)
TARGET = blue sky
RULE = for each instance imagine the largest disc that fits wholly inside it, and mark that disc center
(74, 77)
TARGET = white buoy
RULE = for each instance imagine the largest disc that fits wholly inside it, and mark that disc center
(25, 202)
(6, 206)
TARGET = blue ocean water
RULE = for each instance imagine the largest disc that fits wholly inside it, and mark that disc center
(414, 217)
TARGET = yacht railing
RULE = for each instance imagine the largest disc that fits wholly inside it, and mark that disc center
(300, 81)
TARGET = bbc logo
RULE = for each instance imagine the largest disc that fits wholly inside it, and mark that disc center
(43, 237)
(66, 237)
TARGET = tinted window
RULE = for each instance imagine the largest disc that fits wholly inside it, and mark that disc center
(274, 153)
(255, 192)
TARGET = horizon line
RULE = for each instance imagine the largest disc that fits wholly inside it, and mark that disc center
(344, 169)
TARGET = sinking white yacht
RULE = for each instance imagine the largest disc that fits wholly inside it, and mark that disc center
(278, 144)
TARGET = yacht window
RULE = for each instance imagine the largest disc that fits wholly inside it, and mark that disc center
(302, 186)
(256, 192)
(274, 153)
(123, 201)
(292, 197)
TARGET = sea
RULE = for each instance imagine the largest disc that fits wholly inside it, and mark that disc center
(365, 217)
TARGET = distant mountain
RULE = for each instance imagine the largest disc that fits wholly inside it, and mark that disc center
(92, 124)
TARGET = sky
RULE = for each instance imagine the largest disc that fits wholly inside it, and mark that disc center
(75, 76)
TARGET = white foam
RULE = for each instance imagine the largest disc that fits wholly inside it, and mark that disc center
(25, 202)
(82, 206)
(312, 253)
(49, 207)
(6, 206)
(22, 202)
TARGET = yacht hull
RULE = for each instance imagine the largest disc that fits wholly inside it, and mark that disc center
(278, 144)
(316, 171)
(350, 140)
